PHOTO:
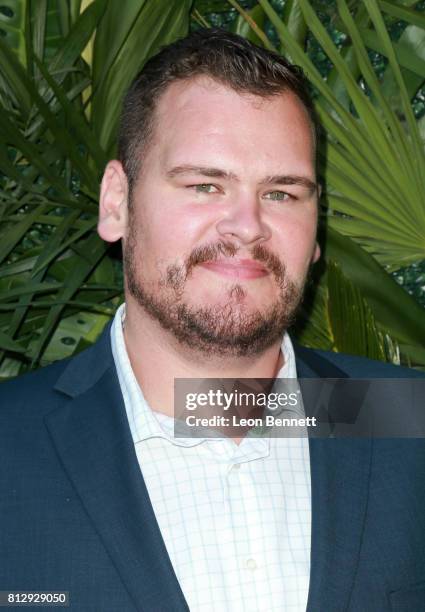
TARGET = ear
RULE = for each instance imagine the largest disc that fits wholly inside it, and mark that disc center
(316, 254)
(317, 251)
(113, 203)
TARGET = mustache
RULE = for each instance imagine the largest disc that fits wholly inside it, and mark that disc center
(213, 252)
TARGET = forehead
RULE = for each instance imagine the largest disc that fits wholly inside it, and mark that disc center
(201, 117)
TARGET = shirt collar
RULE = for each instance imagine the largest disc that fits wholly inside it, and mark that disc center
(146, 423)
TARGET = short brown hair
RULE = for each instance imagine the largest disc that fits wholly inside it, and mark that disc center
(216, 53)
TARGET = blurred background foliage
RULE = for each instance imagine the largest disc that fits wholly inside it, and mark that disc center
(64, 67)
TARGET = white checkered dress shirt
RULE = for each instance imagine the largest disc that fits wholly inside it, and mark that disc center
(236, 520)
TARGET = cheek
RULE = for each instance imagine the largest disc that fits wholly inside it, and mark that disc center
(172, 233)
(163, 244)
(297, 244)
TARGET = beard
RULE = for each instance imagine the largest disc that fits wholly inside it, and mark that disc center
(219, 330)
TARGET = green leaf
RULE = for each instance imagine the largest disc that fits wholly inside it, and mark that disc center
(38, 27)
(10, 368)
(12, 23)
(341, 320)
(393, 308)
(15, 234)
(381, 30)
(56, 248)
(406, 14)
(6, 344)
(77, 39)
(294, 19)
(256, 29)
(126, 26)
(243, 28)
(405, 57)
(77, 124)
(353, 325)
(12, 77)
(10, 133)
(90, 255)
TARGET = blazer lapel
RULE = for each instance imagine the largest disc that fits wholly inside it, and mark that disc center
(92, 437)
(340, 472)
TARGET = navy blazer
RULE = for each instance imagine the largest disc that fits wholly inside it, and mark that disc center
(75, 514)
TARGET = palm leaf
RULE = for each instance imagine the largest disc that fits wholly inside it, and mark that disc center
(373, 164)
(115, 62)
(50, 164)
(343, 321)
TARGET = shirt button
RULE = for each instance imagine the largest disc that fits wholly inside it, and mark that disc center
(237, 466)
(251, 564)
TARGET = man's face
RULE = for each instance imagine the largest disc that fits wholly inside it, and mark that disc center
(222, 226)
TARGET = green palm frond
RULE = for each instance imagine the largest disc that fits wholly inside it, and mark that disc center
(344, 322)
(374, 162)
(56, 134)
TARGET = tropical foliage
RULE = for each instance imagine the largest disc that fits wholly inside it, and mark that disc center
(64, 68)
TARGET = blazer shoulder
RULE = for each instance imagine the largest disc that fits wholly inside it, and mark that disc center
(36, 390)
(362, 367)
(31, 388)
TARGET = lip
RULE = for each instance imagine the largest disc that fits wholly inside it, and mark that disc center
(237, 268)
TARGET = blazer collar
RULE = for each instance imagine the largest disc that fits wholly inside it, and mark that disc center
(92, 437)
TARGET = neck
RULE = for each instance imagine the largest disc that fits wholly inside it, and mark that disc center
(157, 358)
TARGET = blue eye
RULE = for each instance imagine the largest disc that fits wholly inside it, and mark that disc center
(278, 195)
(204, 188)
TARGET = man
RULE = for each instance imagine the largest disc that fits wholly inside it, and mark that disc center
(215, 199)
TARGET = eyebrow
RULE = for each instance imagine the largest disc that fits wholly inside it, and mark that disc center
(201, 170)
(275, 179)
(289, 179)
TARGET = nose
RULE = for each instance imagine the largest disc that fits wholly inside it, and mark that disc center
(244, 222)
